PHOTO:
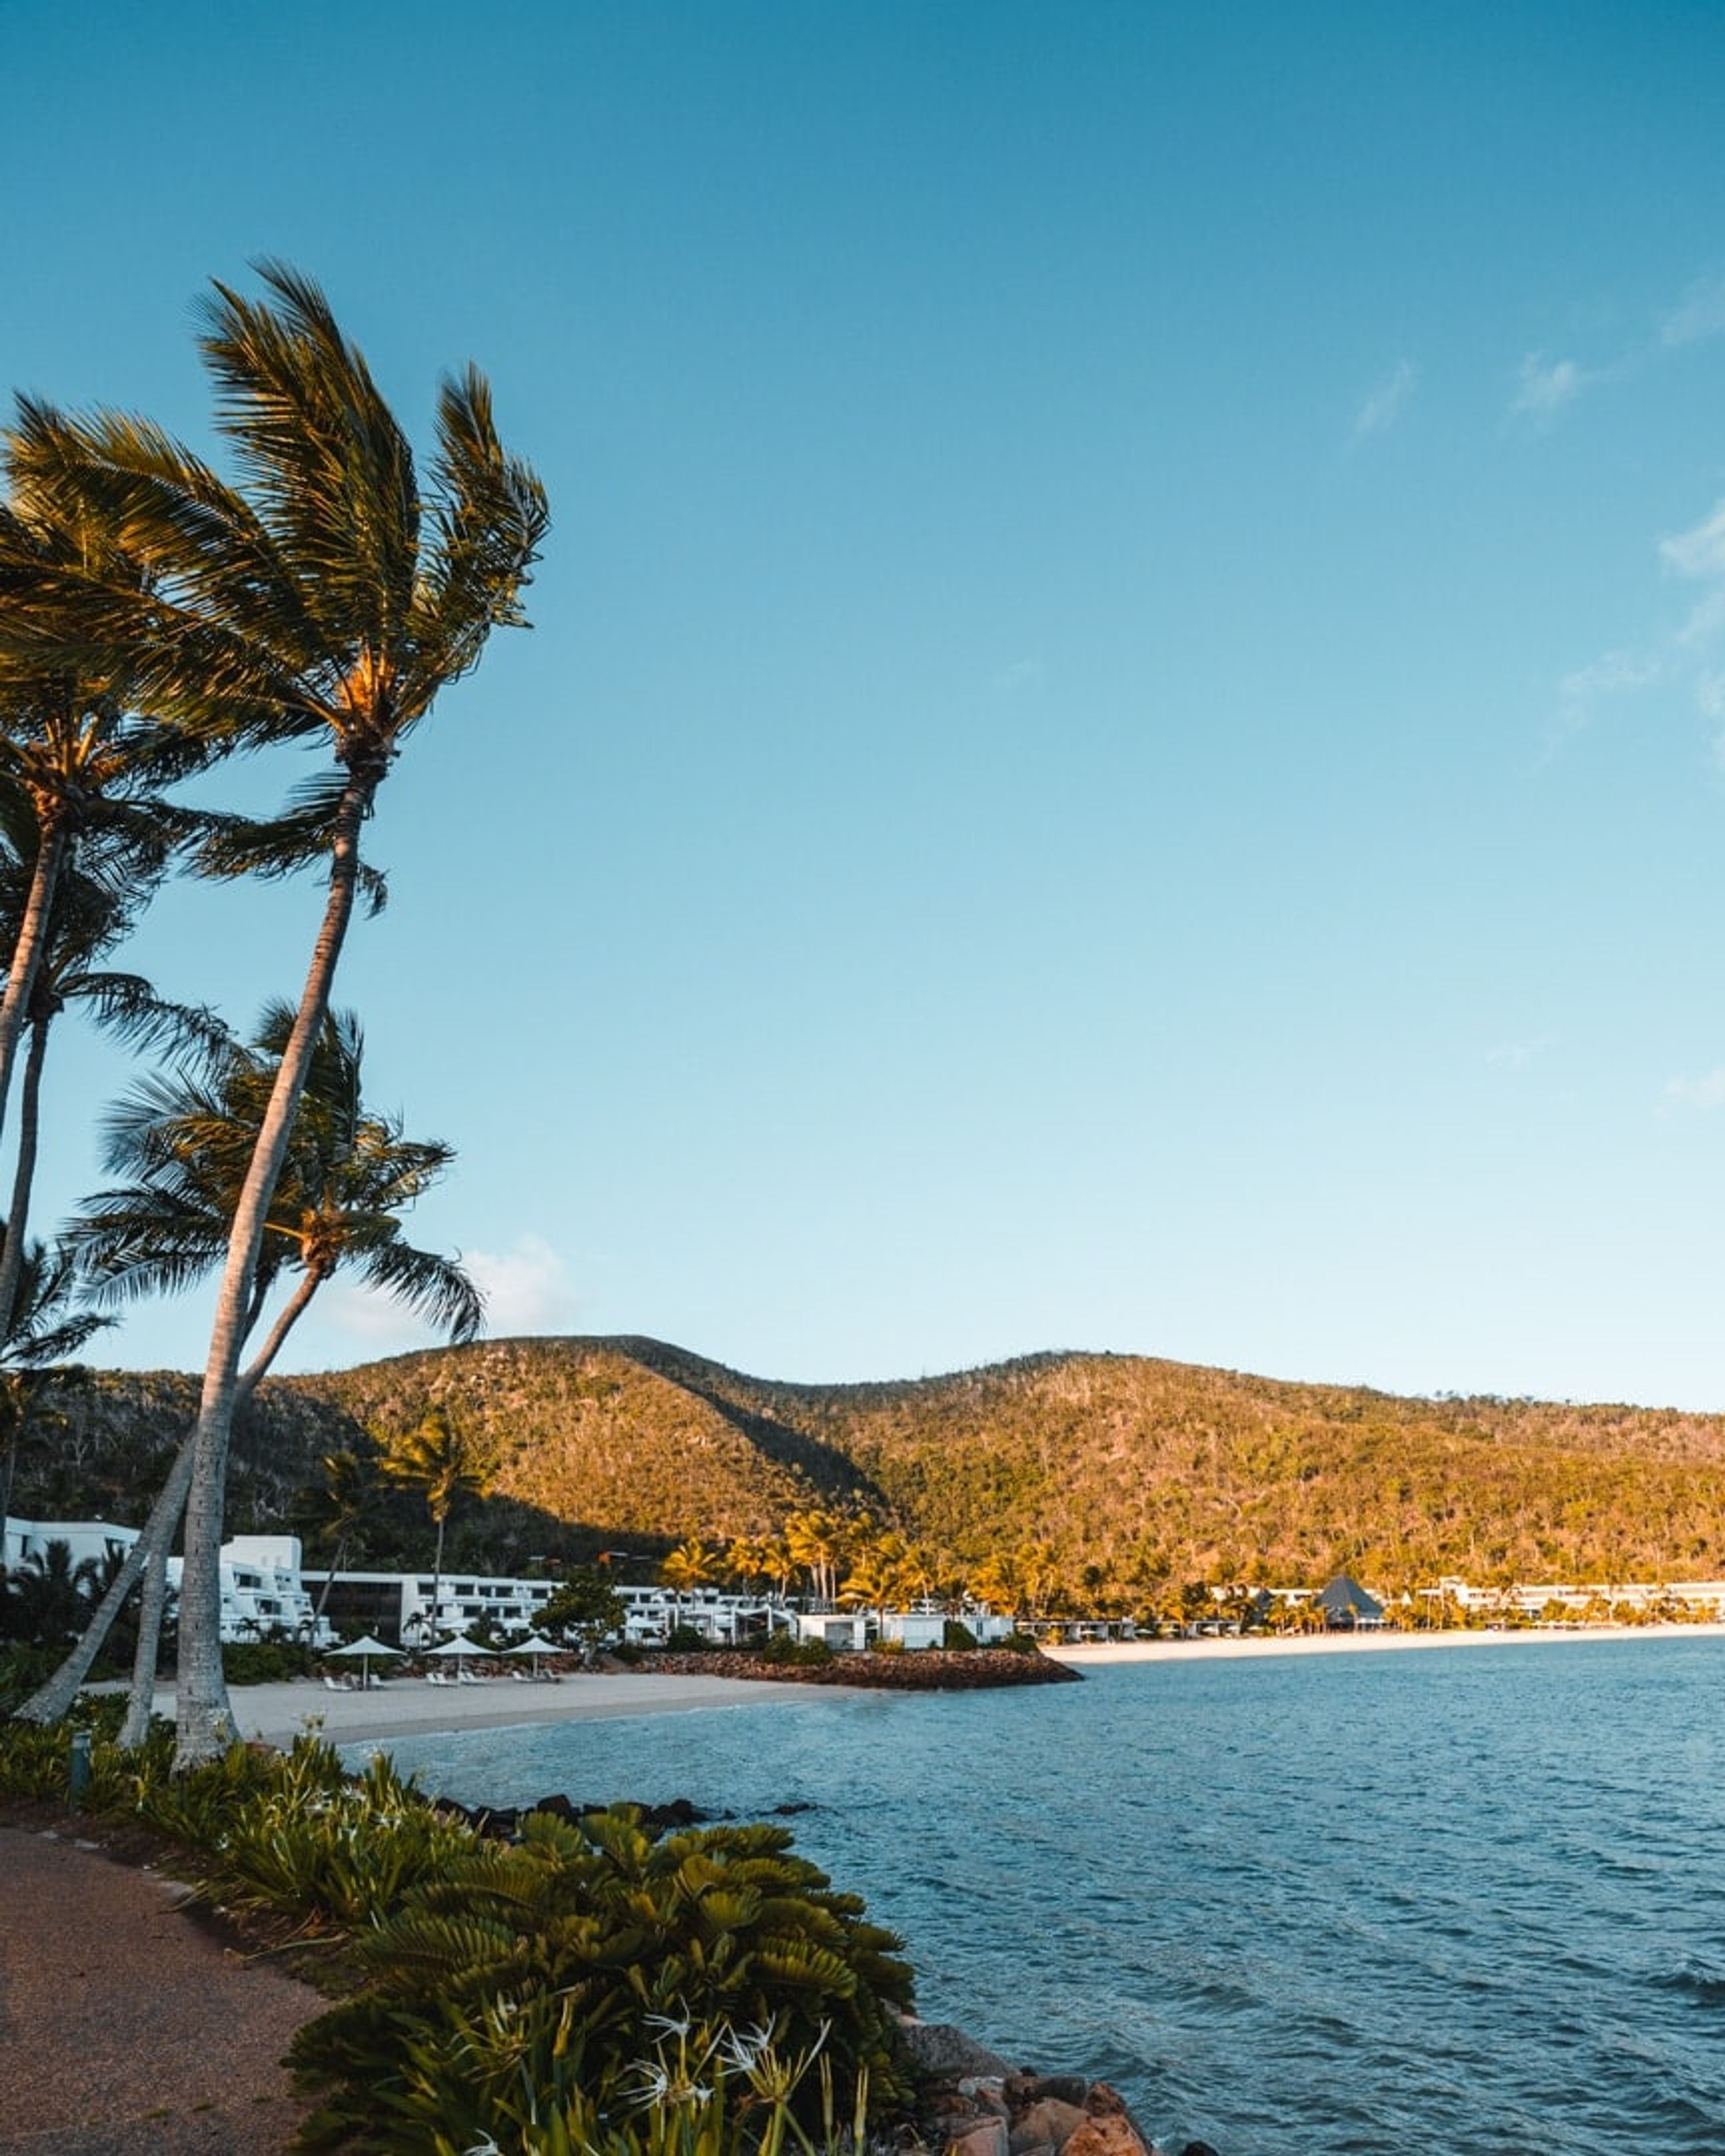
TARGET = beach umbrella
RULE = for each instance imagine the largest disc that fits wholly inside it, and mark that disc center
(459, 1646)
(535, 1646)
(364, 1649)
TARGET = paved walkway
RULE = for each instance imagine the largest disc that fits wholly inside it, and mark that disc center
(125, 2028)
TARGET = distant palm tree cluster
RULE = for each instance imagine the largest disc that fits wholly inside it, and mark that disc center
(156, 618)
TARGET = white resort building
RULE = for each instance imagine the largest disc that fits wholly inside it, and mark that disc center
(262, 1592)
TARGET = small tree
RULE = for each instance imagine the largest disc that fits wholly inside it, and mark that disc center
(585, 1605)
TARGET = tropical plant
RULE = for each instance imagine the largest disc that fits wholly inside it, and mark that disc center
(585, 1604)
(335, 1512)
(47, 1596)
(438, 1458)
(46, 1326)
(330, 597)
(600, 1935)
(79, 768)
(186, 1138)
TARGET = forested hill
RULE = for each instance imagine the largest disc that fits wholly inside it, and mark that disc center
(1141, 1469)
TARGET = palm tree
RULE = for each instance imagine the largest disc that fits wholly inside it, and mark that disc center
(691, 1565)
(48, 1596)
(79, 767)
(47, 1327)
(817, 1542)
(187, 1141)
(89, 914)
(443, 1462)
(331, 597)
(337, 1511)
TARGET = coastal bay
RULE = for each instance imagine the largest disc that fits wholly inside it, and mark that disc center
(1357, 1900)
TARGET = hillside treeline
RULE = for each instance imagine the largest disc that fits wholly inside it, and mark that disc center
(1128, 1472)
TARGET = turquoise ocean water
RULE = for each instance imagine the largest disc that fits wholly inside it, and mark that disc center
(1466, 1901)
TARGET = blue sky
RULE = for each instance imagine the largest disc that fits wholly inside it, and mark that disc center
(1122, 747)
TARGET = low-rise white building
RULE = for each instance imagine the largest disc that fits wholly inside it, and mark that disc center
(262, 1591)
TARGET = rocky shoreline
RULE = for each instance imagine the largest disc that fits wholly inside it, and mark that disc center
(980, 2106)
(928, 1669)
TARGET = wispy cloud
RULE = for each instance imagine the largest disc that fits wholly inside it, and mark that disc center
(527, 1289)
(1698, 555)
(1383, 404)
(1544, 388)
(1699, 551)
(1612, 674)
(1699, 316)
(1705, 1093)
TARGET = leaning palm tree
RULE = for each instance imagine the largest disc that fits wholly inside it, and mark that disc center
(186, 1139)
(329, 596)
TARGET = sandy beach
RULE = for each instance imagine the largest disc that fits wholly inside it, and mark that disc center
(1097, 1655)
(408, 1707)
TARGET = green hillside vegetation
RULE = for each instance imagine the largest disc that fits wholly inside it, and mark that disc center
(1128, 1473)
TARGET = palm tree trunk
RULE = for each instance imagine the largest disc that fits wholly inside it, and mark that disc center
(204, 1719)
(437, 1574)
(147, 1559)
(152, 1608)
(329, 1581)
(23, 1176)
(291, 1312)
(27, 951)
(50, 1702)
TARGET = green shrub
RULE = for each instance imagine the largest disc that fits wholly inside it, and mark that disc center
(557, 1966)
(686, 1639)
(22, 1670)
(266, 1661)
(786, 1651)
(1020, 1643)
(956, 1637)
(342, 1856)
(886, 1646)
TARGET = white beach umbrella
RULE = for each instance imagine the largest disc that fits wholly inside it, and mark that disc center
(459, 1646)
(535, 1646)
(364, 1649)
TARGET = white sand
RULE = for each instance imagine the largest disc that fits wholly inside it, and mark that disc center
(1094, 1656)
(408, 1706)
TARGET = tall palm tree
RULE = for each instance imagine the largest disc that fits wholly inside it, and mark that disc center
(186, 1138)
(440, 1459)
(329, 596)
